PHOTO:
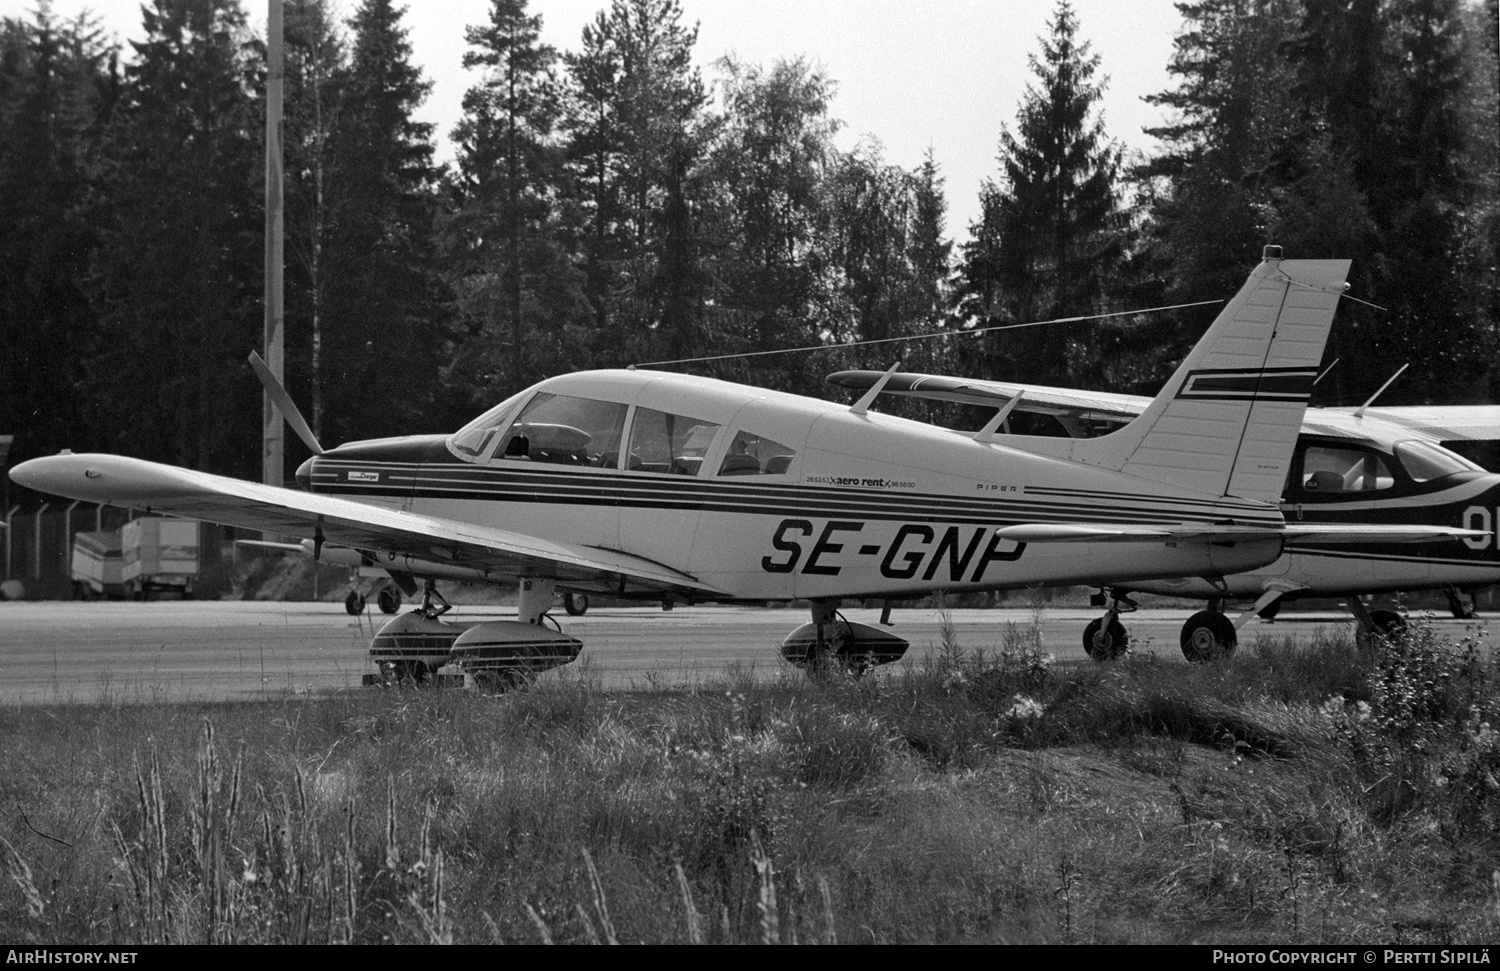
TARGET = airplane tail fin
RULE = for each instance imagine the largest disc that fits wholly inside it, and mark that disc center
(1227, 421)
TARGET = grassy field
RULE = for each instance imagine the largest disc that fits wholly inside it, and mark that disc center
(1296, 793)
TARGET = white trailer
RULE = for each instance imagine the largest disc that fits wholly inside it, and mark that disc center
(98, 565)
(160, 556)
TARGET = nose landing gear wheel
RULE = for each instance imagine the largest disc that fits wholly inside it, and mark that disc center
(576, 604)
(354, 604)
(389, 600)
(1208, 636)
(1105, 642)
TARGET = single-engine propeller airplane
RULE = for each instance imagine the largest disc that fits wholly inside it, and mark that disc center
(1351, 465)
(665, 487)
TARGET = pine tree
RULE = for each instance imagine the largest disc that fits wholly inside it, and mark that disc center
(1383, 80)
(1336, 129)
(56, 90)
(315, 63)
(1235, 122)
(594, 158)
(656, 284)
(179, 272)
(384, 310)
(518, 294)
(930, 250)
(1049, 239)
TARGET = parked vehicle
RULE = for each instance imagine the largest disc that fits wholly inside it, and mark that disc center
(98, 565)
(160, 556)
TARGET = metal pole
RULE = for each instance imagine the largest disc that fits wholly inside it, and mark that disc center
(36, 551)
(273, 465)
(68, 535)
(5, 443)
(10, 515)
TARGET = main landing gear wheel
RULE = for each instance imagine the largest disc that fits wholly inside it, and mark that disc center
(576, 604)
(1461, 610)
(1105, 642)
(408, 672)
(1387, 622)
(1208, 636)
(389, 600)
(354, 603)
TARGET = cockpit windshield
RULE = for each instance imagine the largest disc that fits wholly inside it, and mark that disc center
(1425, 461)
(560, 429)
(476, 438)
(553, 428)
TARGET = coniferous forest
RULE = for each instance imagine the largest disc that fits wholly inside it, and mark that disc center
(613, 204)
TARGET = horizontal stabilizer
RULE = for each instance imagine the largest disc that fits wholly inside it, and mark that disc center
(1345, 534)
(1330, 533)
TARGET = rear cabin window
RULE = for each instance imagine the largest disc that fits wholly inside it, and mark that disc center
(662, 442)
(751, 454)
(1327, 469)
(562, 430)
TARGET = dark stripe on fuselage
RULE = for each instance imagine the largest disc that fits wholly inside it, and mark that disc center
(1475, 558)
(491, 484)
(544, 477)
(1438, 510)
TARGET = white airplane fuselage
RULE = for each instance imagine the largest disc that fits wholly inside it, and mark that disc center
(866, 505)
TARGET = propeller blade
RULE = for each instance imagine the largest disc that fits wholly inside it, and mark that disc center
(284, 403)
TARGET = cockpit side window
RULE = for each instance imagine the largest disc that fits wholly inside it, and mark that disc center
(1331, 469)
(752, 454)
(1424, 461)
(563, 430)
(662, 442)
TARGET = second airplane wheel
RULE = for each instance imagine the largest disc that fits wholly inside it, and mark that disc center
(1105, 643)
(576, 604)
(1208, 636)
(389, 600)
(354, 603)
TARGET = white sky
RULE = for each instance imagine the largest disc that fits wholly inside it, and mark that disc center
(914, 74)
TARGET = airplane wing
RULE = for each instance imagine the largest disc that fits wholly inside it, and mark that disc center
(1435, 423)
(117, 480)
(1062, 403)
(1337, 534)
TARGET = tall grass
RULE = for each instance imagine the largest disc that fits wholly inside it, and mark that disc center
(1295, 792)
